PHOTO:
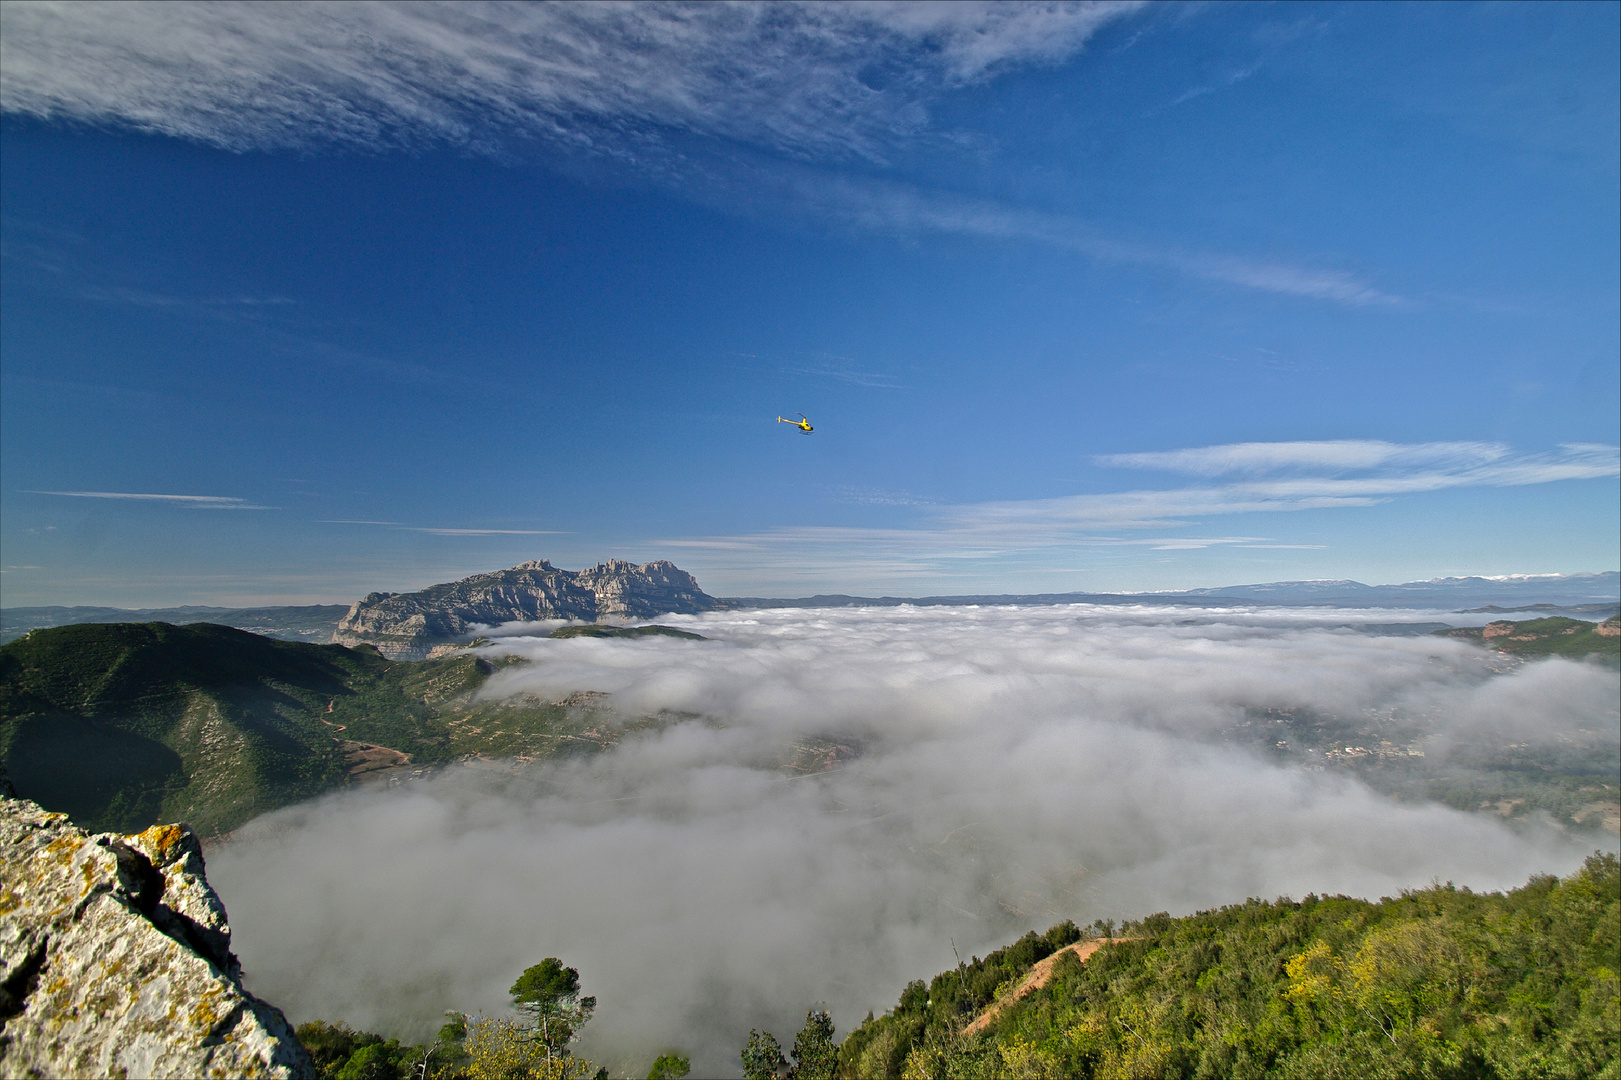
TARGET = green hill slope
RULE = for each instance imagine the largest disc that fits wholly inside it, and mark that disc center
(122, 725)
(1555, 636)
(1441, 982)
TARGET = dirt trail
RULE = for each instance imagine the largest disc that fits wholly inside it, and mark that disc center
(1037, 977)
(329, 723)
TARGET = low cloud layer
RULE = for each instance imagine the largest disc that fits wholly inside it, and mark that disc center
(1011, 767)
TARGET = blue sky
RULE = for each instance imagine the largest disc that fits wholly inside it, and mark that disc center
(297, 303)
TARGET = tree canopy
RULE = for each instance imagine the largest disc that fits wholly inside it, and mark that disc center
(1437, 982)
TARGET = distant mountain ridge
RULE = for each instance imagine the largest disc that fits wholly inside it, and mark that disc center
(313, 622)
(410, 625)
(616, 589)
(1561, 591)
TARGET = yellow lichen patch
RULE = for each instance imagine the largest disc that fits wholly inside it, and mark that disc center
(63, 848)
(205, 1014)
(161, 840)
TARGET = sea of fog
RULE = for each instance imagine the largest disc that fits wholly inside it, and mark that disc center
(1004, 768)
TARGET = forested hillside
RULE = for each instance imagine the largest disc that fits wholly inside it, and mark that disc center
(1553, 636)
(123, 725)
(1441, 982)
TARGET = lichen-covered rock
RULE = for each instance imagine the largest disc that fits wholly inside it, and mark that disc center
(411, 626)
(115, 960)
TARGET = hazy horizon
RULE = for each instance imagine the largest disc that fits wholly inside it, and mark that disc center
(1525, 579)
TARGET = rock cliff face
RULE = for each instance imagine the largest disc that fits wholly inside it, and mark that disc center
(115, 960)
(407, 626)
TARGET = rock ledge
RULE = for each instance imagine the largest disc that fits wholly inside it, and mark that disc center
(115, 960)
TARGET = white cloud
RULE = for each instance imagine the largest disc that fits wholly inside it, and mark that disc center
(483, 532)
(1017, 766)
(1278, 478)
(1222, 83)
(1332, 455)
(1324, 475)
(896, 208)
(810, 81)
(196, 502)
(788, 76)
(433, 531)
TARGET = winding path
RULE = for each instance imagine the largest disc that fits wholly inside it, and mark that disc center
(1038, 976)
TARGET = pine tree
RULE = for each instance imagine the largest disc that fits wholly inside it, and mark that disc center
(815, 1056)
(762, 1056)
(550, 993)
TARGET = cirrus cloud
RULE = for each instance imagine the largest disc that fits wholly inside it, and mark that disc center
(195, 502)
(796, 77)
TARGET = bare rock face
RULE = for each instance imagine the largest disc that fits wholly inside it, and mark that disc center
(410, 626)
(115, 960)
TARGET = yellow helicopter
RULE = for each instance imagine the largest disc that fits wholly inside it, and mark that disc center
(802, 424)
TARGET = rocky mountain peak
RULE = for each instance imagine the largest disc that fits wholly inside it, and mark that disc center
(410, 625)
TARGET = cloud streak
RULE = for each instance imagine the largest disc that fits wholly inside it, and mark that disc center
(1295, 476)
(195, 502)
(901, 209)
(483, 532)
(790, 77)
(1260, 478)
(435, 531)
(1011, 767)
(1337, 455)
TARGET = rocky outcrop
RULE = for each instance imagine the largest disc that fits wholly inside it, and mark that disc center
(115, 960)
(408, 626)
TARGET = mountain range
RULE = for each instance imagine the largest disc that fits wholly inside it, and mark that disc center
(1587, 593)
(314, 622)
(411, 625)
(408, 626)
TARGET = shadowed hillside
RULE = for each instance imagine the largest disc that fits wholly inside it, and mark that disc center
(121, 725)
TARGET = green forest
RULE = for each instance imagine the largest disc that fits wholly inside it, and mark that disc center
(1439, 983)
(124, 725)
(1552, 636)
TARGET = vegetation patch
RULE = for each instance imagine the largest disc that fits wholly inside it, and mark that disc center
(598, 631)
(1438, 982)
(1554, 636)
(122, 725)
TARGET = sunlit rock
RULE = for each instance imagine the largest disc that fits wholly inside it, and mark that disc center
(115, 959)
(413, 626)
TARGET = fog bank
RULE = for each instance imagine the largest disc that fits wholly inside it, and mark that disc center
(1001, 769)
